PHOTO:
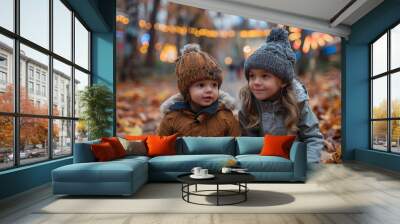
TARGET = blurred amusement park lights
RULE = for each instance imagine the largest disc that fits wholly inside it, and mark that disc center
(312, 40)
(247, 50)
(228, 60)
(122, 19)
(143, 49)
(303, 41)
(145, 38)
(169, 53)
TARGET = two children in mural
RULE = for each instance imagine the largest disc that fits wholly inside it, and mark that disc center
(273, 101)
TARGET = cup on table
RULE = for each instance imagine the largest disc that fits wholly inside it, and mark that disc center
(226, 170)
(203, 172)
(196, 170)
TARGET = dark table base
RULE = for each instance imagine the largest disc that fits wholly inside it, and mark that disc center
(242, 190)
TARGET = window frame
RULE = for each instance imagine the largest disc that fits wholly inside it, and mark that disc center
(3, 71)
(3, 74)
(5, 59)
(16, 114)
(388, 74)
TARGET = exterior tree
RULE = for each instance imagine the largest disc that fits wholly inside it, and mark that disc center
(33, 130)
(6, 132)
(395, 123)
(380, 128)
(6, 122)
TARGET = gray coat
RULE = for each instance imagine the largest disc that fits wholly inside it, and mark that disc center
(272, 122)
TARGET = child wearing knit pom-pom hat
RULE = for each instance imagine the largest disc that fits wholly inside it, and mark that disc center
(274, 102)
(200, 109)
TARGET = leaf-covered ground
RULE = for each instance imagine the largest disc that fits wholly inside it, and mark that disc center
(138, 106)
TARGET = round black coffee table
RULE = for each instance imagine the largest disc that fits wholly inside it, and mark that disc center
(238, 179)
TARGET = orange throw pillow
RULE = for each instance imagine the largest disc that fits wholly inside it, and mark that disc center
(116, 145)
(277, 145)
(161, 145)
(103, 152)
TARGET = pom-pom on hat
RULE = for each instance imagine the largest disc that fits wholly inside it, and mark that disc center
(275, 56)
(195, 65)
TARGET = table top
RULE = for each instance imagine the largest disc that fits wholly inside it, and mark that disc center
(220, 178)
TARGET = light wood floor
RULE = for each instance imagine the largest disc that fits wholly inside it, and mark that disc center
(379, 189)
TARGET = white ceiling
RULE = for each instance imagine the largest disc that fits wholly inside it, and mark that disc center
(316, 15)
(320, 9)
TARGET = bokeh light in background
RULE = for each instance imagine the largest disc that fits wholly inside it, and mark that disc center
(150, 34)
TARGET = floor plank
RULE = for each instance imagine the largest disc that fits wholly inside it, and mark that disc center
(376, 189)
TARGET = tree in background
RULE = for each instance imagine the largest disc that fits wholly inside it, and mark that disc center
(396, 124)
(380, 128)
(150, 57)
(129, 51)
(33, 130)
(140, 49)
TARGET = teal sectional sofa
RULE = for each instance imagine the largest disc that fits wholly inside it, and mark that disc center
(125, 176)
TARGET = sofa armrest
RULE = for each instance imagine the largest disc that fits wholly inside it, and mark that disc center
(298, 155)
(83, 152)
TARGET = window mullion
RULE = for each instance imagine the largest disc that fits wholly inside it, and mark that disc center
(371, 98)
(16, 84)
(389, 106)
(89, 54)
(50, 81)
(73, 82)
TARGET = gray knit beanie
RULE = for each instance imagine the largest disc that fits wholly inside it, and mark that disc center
(275, 56)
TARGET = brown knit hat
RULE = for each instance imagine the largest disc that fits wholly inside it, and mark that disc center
(195, 65)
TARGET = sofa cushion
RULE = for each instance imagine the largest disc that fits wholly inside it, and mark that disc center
(257, 163)
(131, 158)
(206, 145)
(185, 163)
(249, 145)
(111, 171)
(83, 152)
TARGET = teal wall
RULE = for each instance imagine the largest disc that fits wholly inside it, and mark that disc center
(104, 53)
(380, 159)
(355, 98)
(99, 16)
(102, 67)
(355, 72)
(24, 178)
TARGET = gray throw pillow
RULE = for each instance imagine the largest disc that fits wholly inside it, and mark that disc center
(133, 147)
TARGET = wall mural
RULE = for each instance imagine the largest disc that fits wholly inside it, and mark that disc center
(163, 82)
